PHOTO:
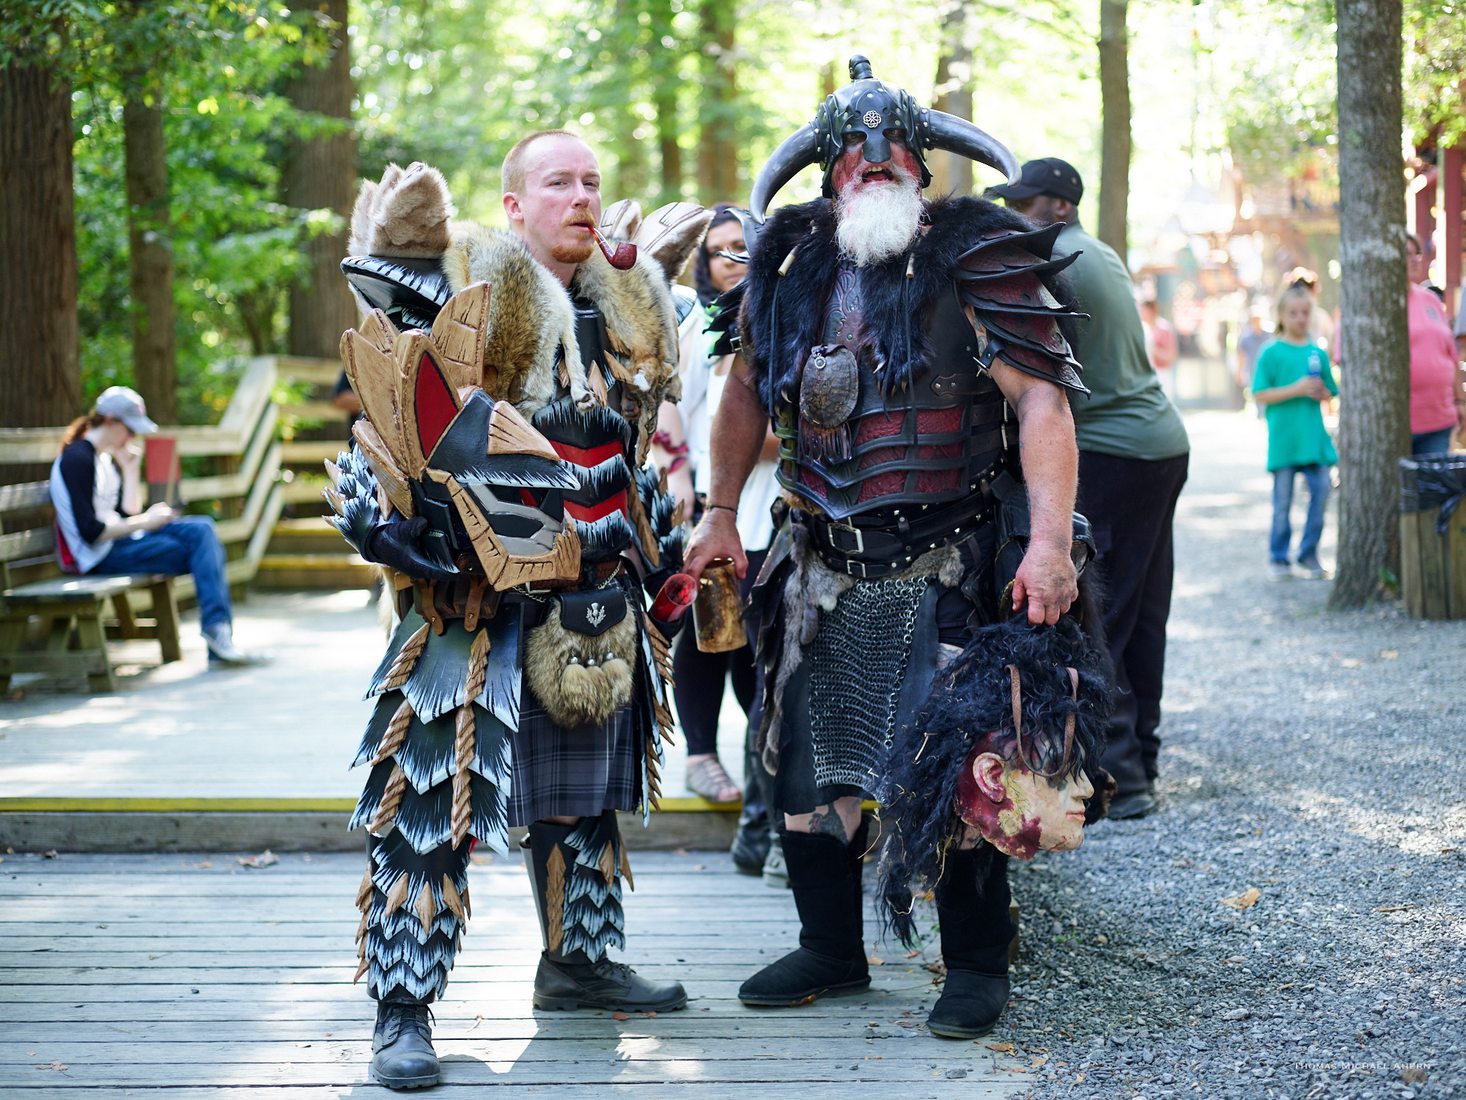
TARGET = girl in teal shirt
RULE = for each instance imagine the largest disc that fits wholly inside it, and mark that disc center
(1291, 383)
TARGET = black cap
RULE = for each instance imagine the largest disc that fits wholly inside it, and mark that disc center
(1045, 176)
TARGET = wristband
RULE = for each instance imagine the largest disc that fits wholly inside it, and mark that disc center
(725, 507)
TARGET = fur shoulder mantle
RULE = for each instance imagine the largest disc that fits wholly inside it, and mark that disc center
(531, 319)
(777, 340)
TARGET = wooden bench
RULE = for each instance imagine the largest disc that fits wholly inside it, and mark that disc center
(70, 609)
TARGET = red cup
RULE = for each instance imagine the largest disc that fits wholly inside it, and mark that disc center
(674, 599)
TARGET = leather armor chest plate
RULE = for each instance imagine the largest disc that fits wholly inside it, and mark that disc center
(926, 444)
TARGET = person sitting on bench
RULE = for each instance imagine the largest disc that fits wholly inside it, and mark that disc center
(101, 527)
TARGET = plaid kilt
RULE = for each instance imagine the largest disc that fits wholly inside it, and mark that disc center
(559, 772)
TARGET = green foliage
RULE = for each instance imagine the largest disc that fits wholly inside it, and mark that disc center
(214, 65)
(1435, 63)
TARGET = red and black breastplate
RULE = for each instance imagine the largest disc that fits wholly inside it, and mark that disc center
(849, 445)
(598, 441)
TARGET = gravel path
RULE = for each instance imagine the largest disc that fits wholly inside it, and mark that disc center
(1312, 760)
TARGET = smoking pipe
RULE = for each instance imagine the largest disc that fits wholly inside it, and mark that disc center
(621, 256)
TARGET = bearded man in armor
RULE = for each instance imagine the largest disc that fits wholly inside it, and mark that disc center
(909, 353)
(510, 382)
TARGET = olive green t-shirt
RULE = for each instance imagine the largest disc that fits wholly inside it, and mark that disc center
(1126, 413)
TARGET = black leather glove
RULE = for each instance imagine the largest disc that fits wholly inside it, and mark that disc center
(409, 547)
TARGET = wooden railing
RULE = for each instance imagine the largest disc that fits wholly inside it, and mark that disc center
(242, 454)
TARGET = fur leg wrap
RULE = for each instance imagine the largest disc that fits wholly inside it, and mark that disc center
(414, 908)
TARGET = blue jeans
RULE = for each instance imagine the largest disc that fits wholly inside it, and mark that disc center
(1430, 443)
(1316, 477)
(187, 545)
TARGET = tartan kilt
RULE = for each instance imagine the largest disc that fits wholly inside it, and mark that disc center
(578, 772)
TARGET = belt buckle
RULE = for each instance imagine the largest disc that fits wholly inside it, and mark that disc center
(857, 569)
(858, 548)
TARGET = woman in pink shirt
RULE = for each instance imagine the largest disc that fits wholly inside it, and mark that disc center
(1432, 361)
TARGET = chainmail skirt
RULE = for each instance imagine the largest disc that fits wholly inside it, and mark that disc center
(867, 671)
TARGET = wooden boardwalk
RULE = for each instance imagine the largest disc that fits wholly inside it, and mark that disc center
(191, 976)
(182, 757)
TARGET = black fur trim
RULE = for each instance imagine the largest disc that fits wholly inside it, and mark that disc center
(893, 310)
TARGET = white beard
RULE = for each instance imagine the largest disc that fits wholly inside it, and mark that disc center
(877, 223)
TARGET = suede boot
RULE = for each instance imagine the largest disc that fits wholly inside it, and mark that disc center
(568, 980)
(402, 1046)
(972, 911)
(825, 874)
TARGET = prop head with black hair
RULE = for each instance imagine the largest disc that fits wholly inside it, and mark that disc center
(1004, 756)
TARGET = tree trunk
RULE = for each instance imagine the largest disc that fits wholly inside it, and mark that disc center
(1374, 413)
(717, 151)
(40, 350)
(664, 100)
(320, 174)
(1114, 65)
(149, 239)
(952, 172)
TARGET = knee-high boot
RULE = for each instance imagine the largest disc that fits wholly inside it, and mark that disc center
(579, 908)
(825, 874)
(972, 909)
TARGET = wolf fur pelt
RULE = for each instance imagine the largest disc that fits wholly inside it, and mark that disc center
(892, 306)
(408, 214)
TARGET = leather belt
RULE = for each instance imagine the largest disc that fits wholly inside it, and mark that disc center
(467, 596)
(879, 544)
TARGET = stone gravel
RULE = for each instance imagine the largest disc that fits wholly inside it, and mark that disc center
(1313, 761)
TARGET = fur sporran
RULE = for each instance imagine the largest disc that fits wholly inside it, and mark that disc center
(580, 662)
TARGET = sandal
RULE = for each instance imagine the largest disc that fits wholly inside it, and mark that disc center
(707, 778)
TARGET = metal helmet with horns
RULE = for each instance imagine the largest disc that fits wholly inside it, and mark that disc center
(882, 114)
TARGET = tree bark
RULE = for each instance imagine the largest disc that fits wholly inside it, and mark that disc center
(150, 243)
(952, 172)
(40, 347)
(320, 174)
(665, 102)
(717, 152)
(1114, 63)
(1374, 412)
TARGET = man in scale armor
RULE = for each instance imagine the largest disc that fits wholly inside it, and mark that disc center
(510, 382)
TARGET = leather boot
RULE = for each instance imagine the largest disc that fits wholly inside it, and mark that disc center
(825, 874)
(402, 1046)
(568, 980)
(976, 931)
(751, 842)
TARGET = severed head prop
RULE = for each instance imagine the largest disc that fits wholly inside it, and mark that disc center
(1005, 756)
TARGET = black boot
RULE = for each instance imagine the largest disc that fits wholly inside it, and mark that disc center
(402, 1046)
(976, 931)
(572, 979)
(825, 874)
(751, 843)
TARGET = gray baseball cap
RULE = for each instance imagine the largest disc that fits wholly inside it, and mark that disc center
(126, 405)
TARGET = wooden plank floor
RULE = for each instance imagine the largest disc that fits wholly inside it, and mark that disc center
(190, 976)
(278, 731)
